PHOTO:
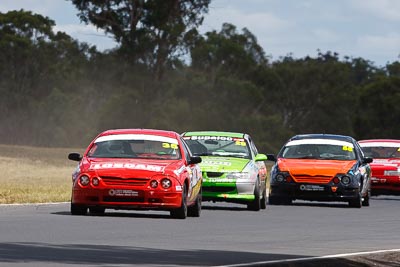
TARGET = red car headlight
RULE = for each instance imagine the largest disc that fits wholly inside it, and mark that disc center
(153, 184)
(166, 183)
(84, 180)
(95, 181)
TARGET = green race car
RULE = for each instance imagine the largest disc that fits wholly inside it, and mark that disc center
(233, 170)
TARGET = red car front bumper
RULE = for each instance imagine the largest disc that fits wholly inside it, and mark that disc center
(385, 185)
(127, 198)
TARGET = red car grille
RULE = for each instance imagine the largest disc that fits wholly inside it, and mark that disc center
(312, 179)
(109, 180)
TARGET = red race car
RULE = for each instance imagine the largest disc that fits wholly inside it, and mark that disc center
(137, 169)
(386, 165)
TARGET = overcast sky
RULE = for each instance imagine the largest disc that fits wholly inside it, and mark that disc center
(369, 29)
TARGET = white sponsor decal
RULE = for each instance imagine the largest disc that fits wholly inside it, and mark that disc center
(179, 171)
(136, 137)
(380, 144)
(178, 188)
(309, 187)
(212, 162)
(319, 142)
(387, 162)
(123, 193)
(221, 180)
(222, 138)
(132, 166)
(376, 180)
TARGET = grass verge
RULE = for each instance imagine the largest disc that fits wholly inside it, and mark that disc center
(35, 175)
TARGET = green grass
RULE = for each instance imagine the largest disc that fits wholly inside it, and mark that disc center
(35, 175)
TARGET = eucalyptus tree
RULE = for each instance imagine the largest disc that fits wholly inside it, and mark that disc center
(151, 32)
(37, 69)
(318, 94)
(379, 111)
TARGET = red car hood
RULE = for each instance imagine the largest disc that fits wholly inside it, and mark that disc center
(132, 167)
(385, 163)
(315, 167)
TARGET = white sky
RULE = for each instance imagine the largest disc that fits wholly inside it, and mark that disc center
(369, 29)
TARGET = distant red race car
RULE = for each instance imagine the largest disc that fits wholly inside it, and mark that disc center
(385, 166)
(137, 169)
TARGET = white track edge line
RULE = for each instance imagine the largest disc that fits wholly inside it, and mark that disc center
(312, 258)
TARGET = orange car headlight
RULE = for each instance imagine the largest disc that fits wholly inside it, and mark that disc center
(346, 180)
(280, 177)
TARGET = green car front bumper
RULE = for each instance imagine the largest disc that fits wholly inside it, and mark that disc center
(228, 192)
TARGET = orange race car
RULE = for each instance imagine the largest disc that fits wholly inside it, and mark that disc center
(321, 167)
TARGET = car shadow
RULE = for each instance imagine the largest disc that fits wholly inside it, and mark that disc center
(227, 207)
(153, 214)
(322, 204)
(130, 214)
(35, 253)
(386, 197)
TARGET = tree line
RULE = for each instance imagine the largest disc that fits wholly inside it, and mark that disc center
(164, 74)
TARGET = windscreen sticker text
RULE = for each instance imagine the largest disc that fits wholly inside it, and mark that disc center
(222, 138)
(168, 145)
(132, 166)
(211, 162)
(347, 148)
(240, 143)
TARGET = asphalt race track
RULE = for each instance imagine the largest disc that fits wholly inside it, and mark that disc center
(225, 234)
